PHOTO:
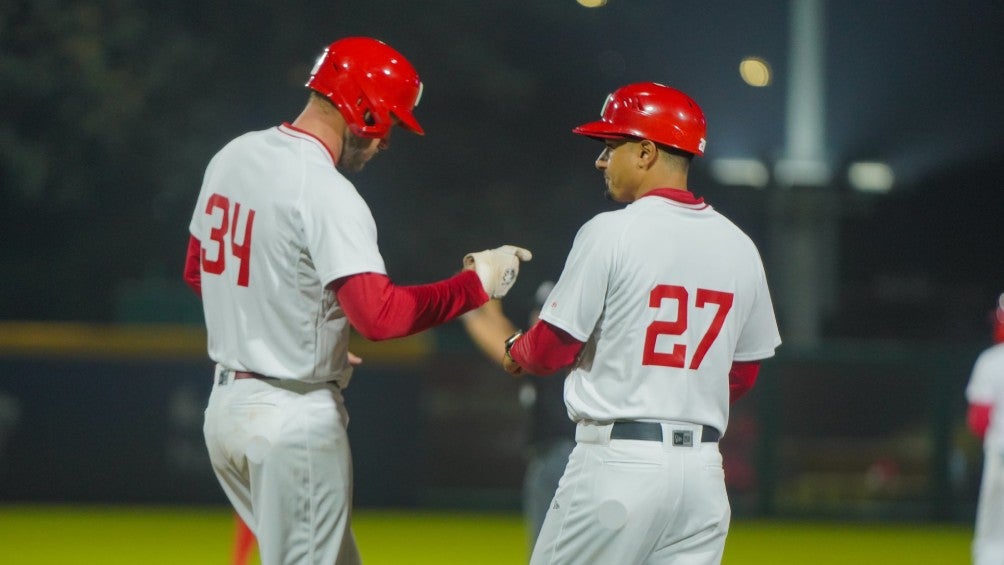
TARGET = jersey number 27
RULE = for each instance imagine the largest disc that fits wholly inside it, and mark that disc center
(678, 355)
(226, 232)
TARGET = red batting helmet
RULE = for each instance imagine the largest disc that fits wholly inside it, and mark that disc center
(370, 83)
(648, 110)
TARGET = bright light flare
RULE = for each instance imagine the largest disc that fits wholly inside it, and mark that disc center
(755, 71)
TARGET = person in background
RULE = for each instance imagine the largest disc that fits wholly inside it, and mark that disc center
(985, 417)
(244, 542)
(551, 435)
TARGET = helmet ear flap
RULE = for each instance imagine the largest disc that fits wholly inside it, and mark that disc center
(374, 117)
(364, 118)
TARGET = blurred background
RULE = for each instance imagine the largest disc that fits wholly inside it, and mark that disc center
(859, 143)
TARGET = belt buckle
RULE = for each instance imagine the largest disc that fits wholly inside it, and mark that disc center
(683, 438)
(224, 377)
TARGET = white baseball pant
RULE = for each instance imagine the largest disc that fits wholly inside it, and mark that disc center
(281, 453)
(988, 542)
(630, 501)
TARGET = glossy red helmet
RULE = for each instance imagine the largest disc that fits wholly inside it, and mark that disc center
(648, 110)
(370, 83)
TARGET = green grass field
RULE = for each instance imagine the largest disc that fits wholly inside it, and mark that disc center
(34, 535)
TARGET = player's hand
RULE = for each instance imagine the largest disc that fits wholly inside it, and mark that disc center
(497, 268)
(510, 366)
(354, 359)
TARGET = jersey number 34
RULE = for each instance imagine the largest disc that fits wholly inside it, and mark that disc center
(226, 232)
(678, 355)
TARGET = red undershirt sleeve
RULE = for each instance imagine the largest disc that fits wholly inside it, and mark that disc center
(378, 309)
(193, 270)
(545, 349)
(742, 375)
(978, 419)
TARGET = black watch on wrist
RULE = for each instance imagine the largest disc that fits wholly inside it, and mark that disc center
(508, 344)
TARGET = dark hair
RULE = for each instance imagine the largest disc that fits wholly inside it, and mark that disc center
(674, 151)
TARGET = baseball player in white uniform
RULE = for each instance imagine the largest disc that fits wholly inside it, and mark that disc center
(284, 252)
(662, 312)
(985, 394)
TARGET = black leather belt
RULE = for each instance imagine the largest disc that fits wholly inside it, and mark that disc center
(652, 431)
(249, 375)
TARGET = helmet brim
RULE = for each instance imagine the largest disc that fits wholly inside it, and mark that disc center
(407, 121)
(599, 130)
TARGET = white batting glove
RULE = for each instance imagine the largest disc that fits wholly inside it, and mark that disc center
(497, 268)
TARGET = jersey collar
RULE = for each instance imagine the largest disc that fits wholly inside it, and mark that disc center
(293, 130)
(684, 197)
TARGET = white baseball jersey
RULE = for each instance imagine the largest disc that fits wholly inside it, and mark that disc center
(277, 223)
(665, 296)
(986, 386)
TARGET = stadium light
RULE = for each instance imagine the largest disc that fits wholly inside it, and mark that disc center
(802, 172)
(740, 172)
(871, 176)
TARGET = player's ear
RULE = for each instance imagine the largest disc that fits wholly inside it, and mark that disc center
(648, 153)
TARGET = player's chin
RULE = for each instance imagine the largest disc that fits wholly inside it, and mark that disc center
(612, 196)
(353, 164)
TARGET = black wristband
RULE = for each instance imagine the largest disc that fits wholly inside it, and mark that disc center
(509, 342)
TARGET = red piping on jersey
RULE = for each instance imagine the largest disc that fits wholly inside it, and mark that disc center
(545, 349)
(334, 159)
(679, 195)
(379, 309)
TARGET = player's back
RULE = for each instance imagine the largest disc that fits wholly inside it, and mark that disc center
(682, 285)
(262, 294)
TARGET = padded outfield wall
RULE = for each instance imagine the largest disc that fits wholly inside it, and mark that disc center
(113, 413)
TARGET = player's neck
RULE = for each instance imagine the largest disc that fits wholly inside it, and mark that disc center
(329, 127)
(664, 181)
